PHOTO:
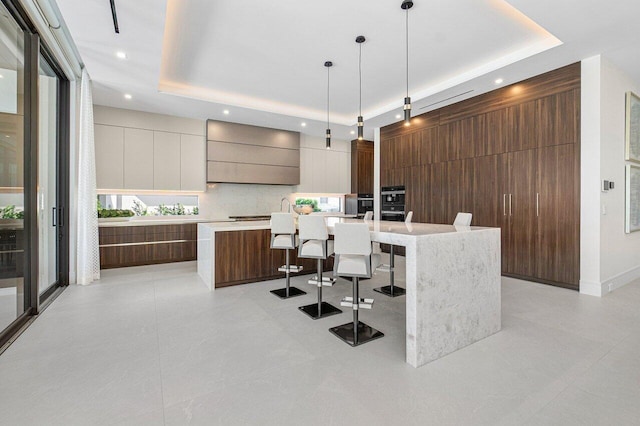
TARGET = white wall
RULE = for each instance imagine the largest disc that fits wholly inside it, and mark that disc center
(603, 140)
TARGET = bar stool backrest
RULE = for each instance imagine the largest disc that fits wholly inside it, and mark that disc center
(313, 228)
(368, 215)
(282, 223)
(463, 219)
(352, 238)
(409, 217)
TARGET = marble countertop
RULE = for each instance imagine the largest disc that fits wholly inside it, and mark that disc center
(376, 226)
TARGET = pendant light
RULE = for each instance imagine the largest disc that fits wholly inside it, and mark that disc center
(328, 64)
(406, 5)
(360, 40)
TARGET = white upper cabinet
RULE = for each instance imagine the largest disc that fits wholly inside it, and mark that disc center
(138, 159)
(192, 163)
(109, 147)
(324, 171)
(166, 161)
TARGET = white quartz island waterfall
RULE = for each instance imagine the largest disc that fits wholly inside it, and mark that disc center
(452, 280)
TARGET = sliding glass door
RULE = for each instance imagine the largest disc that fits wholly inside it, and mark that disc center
(34, 168)
(49, 214)
(12, 143)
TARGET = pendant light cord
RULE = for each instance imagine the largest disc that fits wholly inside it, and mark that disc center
(360, 73)
(407, 44)
(328, 97)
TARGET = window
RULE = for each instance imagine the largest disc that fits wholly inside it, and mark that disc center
(151, 205)
(322, 204)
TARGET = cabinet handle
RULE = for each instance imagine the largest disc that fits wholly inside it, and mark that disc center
(504, 204)
(537, 204)
(510, 205)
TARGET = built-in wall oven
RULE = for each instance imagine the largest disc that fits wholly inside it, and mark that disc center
(392, 203)
(358, 204)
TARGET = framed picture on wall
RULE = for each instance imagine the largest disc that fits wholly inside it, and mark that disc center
(632, 133)
(632, 199)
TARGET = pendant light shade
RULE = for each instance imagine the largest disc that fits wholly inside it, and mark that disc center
(360, 40)
(328, 65)
(406, 5)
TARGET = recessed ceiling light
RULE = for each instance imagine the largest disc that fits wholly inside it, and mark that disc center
(121, 55)
(353, 132)
(1, 76)
(225, 112)
(303, 124)
(398, 116)
(499, 81)
(127, 96)
(6, 136)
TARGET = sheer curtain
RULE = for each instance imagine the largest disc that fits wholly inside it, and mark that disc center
(88, 255)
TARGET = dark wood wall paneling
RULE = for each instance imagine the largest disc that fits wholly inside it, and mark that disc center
(246, 257)
(361, 167)
(114, 253)
(512, 158)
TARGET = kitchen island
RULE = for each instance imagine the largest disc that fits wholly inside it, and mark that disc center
(452, 278)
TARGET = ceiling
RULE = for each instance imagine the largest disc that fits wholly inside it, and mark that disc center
(263, 61)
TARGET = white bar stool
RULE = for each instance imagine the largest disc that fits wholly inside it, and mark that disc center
(283, 237)
(392, 290)
(463, 219)
(315, 244)
(354, 259)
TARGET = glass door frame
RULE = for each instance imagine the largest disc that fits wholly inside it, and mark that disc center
(33, 302)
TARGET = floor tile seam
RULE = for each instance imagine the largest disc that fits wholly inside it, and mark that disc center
(164, 421)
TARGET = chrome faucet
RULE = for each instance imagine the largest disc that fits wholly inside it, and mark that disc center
(288, 203)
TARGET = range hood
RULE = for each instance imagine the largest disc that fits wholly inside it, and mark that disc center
(239, 153)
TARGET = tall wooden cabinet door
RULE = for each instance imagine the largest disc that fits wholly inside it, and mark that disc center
(437, 192)
(414, 196)
(489, 188)
(365, 172)
(558, 215)
(521, 205)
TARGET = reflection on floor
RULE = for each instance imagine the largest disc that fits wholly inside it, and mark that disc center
(151, 345)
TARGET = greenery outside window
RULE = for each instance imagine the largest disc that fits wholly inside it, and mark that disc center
(150, 205)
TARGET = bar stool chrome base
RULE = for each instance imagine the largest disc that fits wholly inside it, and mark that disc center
(365, 334)
(293, 292)
(326, 310)
(391, 291)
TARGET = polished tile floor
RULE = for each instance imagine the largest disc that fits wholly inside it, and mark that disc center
(151, 346)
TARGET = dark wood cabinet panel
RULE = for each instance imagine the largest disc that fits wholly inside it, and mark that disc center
(484, 155)
(497, 133)
(122, 246)
(428, 142)
(558, 218)
(559, 118)
(437, 193)
(490, 179)
(468, 137)
(361, 167)
(521, 207)
(245, 256)
(523, 127)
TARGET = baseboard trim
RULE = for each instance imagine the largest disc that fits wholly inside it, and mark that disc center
(610, 284)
